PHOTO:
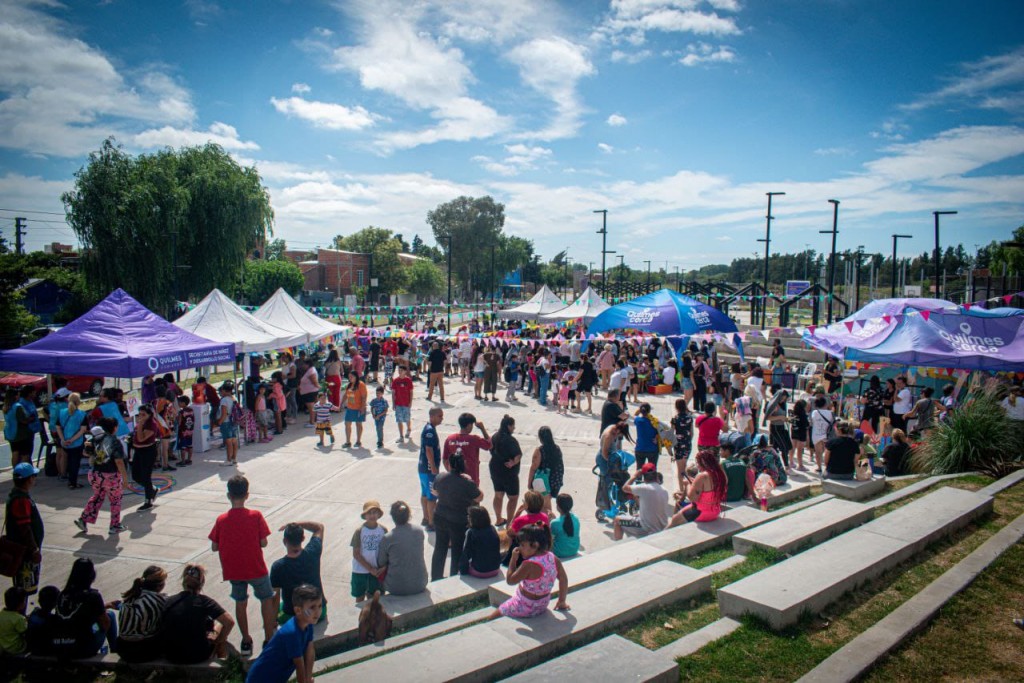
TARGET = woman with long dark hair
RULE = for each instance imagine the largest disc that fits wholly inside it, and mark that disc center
(81, 622)
(506, 454)
(705, 492)
(332, 374)
(777, 416)
(144, 441)
(547, 458)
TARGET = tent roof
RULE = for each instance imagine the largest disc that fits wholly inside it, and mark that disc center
(543, 302)
(664, 312)
(118, 337)
(281, 310)
(219, 318)
(588, 306)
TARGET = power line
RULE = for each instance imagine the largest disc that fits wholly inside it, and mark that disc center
(49, 213)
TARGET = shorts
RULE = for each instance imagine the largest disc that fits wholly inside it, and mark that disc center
(427, 485)
(307, 398)
(572, 394)
(27, 576)
(479, 375)
(687, 384)
(402, 414)
(354, 415)
(265, 417)
(229, 430)
(631, 522)
(364, 584)
(260, 587)
(324, 429)
(184, 442)
(716, 399)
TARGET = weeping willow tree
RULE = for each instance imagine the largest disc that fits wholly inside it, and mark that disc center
(137, 217)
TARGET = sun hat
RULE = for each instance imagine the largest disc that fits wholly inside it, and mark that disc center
(371, 505)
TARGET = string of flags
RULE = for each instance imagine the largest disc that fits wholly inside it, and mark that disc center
(359, 310)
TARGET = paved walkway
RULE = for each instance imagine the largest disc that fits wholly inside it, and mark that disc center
(291, 480)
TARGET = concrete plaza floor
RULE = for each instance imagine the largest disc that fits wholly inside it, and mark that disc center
(291, 479)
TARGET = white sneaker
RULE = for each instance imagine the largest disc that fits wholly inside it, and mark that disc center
(399, 440)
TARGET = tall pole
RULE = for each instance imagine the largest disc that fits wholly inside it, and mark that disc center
(448, 327)
(19, 234)
(832, 257)
(567, 285)
(648, 274)
(858, 255)
(622, 268)
(938, 254)
(603, 232)
(590, 275)
(895, 238)
(767, 242)
(493, 284)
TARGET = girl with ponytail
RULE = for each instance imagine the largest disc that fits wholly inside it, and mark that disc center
(566, 530)
(140, 617)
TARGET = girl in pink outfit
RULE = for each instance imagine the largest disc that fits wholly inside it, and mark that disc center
(280, 406)
(533, 570)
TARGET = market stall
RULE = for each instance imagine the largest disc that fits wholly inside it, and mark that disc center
(588, 306)
(542, 303)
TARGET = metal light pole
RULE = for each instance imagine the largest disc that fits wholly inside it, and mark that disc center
(622, 268)
(677, 278)
(895, 238)
(603, 232)
(590, 274)
(448, 329)
(648, 274)
(832, 257)
(767, 242)
(938, 254)
(493, 284)
(857, 256)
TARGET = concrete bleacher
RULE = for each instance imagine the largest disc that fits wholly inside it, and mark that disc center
(807, 527)
(612, 659)
(854, 490)
(811, 580)
(497, 648)
(680, 541)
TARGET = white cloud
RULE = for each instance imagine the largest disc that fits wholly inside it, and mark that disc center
(629, 21)
(951, 153)
(301, 88)
(325, 114)
(630, 57)
(553, 67)
(833, 151)
(606, 148)
(703, 53)
(617, 120)
(519, 158)
(995, 82)
(890, 130)
(218, 133)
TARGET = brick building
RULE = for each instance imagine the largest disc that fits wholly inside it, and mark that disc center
(336, 271)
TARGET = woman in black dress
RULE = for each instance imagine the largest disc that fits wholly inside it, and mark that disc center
(504, 467)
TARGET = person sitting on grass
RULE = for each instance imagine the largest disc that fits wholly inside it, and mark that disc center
(706, 492)
(533, 570)
(291, 650)
(653, 500)
(300, 565)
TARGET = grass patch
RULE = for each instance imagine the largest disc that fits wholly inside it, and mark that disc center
(709, 557)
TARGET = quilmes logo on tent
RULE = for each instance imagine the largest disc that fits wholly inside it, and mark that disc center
(969, 343)
(644, 316)
(702, 318)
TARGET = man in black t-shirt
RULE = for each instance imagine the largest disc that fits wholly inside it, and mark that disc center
(300, 565)
(374, 361)
(435, 377)
(841, 453)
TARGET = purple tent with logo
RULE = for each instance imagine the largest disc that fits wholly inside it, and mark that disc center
(119, 337)
(928, 333)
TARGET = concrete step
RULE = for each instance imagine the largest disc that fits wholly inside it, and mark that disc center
(812, 580)
(854, 490)
(796, 487)
(488, 651)
(692, 642)
(688, 539)
(805, 528)
(614, 658)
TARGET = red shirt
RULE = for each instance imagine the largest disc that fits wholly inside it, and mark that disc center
(401, 390)
(708, 429)
(390, 347)
(238, 534)
(470, 445)
(526, 519)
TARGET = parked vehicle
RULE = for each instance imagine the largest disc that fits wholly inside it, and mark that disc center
(79, 383)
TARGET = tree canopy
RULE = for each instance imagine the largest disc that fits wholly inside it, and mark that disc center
(260, 279)
(425, 278)
(475, 227)
(134, 215)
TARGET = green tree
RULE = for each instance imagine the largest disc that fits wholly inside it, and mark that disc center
(1010, 257)
(385, 247)
(425, 278)
(136, 216)
(475, 226)
(276, 249)
(260, 279)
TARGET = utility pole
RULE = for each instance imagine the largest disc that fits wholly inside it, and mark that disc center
(603, 232)
(767, 242)
(857, 256)
(19, 234)
(622, 268)
(938, 254)
(832, 257)
(648, 274)
(568, 283)
(448, 329)
(494, 285)
(895, 238)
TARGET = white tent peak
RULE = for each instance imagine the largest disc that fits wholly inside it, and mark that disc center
(219, 318)
(543, 302)
(588, 306)
(283, 311)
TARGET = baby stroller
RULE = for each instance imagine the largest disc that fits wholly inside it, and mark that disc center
(611, 476)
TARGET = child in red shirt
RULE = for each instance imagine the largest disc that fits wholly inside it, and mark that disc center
(239, 536)
(401, 392)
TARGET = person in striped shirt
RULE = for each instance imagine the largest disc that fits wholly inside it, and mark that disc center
(322, 415)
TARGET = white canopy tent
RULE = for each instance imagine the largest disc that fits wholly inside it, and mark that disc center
(219, 318)
(282, 311)
(588, 306)
(543, 302)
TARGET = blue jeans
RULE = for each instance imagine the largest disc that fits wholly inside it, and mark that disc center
(545, 382)
(379, 424)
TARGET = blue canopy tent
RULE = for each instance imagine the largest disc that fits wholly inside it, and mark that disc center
(666, 314)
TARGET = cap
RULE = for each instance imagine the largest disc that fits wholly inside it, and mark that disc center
(648, 468)
(62, 392)
(371, 505)
(25, 470)
(858, 435)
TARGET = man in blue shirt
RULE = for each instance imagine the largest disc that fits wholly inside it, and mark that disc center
(291, 649)
(430, 463)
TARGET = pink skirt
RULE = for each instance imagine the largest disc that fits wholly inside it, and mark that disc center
(519, 606)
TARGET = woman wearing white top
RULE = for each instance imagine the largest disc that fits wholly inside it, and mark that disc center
(822, 421)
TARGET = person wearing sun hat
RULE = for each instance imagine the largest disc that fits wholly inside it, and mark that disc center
(366, 573)
(25, 526)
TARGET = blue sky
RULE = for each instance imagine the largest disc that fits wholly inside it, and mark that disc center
(675, 115)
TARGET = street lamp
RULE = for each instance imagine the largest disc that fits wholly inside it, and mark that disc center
(590, 274)
(767, 242)
(603, 232)
(895, 238)
(938, 254)
(832, 257)
(857, 256)
(448, 237)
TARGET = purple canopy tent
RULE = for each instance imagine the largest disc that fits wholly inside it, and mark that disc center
(929, 333)
(119, 337)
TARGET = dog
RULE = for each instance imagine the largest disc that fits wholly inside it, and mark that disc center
(374, 622)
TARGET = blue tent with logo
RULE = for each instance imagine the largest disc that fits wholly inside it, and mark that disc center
(666, 314)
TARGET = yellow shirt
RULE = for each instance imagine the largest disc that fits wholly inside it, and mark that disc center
(12, 632)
